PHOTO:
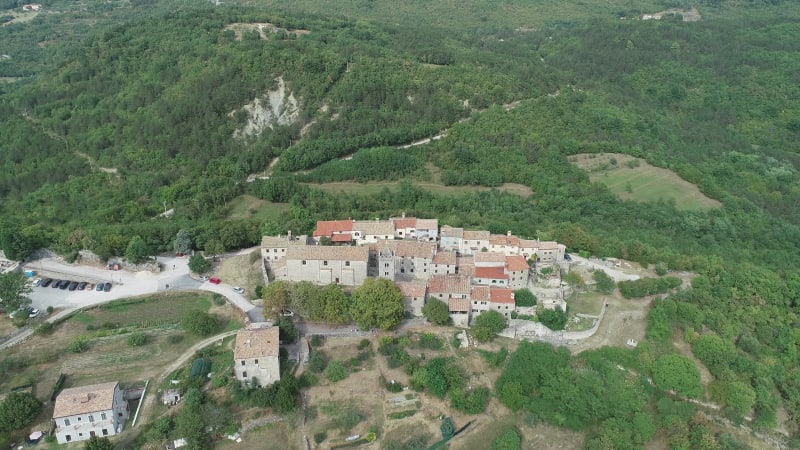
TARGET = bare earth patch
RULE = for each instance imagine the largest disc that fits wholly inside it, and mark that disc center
(262, 28)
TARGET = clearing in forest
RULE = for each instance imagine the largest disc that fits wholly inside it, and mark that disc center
(634, 179)
(374, 187)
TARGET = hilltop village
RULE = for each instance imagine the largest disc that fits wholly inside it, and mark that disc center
(472, 270)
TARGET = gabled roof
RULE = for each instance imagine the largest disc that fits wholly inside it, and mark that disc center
(283, 241)
(341, 238)
(502, 295)
(445, 258)
(374, 228)
(85, 400)
(480, 294)
(504, 239)
(412, 289)
(495, 257)
(516, 263)
(458, 305)
(492, 273)
(324, 252)
(448, 231)
(548, 245)
(476, 235)
(427, 224)
(330, 227)
(256, 343)
(404, 222)
(449, 284)
(408, 249)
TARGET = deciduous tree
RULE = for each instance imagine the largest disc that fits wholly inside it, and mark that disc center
(17, 410)
(436, 311)
(603, 283)
(488, 324)
(14, 289)
(377, 304)
(183, 241)
(677, 373)
(276, 297)
(199, 264)
(199, 323)
(98, 443)
(137, 251)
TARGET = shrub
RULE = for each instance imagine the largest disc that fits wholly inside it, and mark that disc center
(430, 341)
(402, 414)
(524, 297)
(79, 344)
(317, 340)
(137, 339)
(509, 439)
(494, 359)
(555, 319)
(175, 338)
(219, 381)
(473, 402)
(336, 371)
(44, 329)
(436, 312)
(50, 310)
(486, 325)
(363, 344)
(316, 361)
(320, 436)
(218, 299)
(199, 323)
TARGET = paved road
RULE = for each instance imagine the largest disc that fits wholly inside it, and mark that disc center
(175, 276)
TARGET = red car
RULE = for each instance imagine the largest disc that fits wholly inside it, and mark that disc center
(214, 280)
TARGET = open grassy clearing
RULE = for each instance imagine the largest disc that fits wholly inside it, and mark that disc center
(586, 303)
(242, 270)
(634, 179)
(375, 187)
(249, 207)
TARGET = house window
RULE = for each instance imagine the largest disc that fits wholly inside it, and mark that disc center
(412, 270)
(386, 265)
(324, 263)
(69, 438)
(256, 362)
(386, 274)
(80, 434)
(303, 262)
(402, 270)
(119, 414)
(244, 375)
(91, 433)
(102, 416)
(242, 362)
(66, 422)
(105, 432)
(79, 418)
(91, 418)
(347, 263)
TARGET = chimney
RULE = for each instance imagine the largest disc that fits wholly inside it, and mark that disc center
(508, 233)
(289, 234)
(403, 215)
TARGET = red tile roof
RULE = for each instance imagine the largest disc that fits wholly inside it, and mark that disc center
(516, 263)
(445, 258)
(404, 222)
(341, 238)
(412, 289)
(449, 284)
(480, 293)
(502, 295)
(483, 257)
(503, 239)
(492, 273)
(458, 305)
(329, 227)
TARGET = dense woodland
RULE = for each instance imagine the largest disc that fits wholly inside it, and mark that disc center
(122, 108)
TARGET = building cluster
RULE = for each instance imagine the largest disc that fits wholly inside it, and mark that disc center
(472, 271)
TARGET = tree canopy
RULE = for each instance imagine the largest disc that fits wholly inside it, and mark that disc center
(436, 312)
(377, 303)
(17, 410)
(14, 289)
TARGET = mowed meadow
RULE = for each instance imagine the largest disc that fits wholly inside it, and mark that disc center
(634, 179)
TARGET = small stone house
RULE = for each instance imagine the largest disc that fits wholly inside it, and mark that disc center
(255, 357)
(86, 411)
(413, 297)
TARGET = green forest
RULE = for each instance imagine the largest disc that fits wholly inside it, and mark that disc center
(112, 112)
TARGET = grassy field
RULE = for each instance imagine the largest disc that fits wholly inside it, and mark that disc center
(586, 303)
(374, 187)
(639, 181)
(247, 206)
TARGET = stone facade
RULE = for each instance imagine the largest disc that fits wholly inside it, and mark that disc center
(255, 358)
(86, 411)
(325, 265)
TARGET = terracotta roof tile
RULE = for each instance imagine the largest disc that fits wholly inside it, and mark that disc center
(484, 257)
(449, 284)
(85, 399)
(448, 231)
(502, 239)
(492, 273)
(256, 343)
(323, 252)
(412, 289)
(408, 249)
(427, 224)
(329, 227)
(502, 295)
(374, 228)
(480, 293)
(516, 263)
(341, 238)
(548, 245)
(404, 222)
(479, 235)
(458, 305)
(445, 258)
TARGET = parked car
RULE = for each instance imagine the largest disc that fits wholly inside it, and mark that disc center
(37, 282)
(46, 282)
(73, 285)
(33, 312)
(214, 280)
(56, 284)
(100, 287)
(107, 287)
(89, 286)
(82, 285)
(238, 290)
(64, 284)
(204, 278)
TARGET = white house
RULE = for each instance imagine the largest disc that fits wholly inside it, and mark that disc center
(86, 411)
(255, 358)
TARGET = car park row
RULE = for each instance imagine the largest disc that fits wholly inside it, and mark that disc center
(74, 285)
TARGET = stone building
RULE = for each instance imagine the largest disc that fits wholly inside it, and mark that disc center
(86, 411)
(255, 357)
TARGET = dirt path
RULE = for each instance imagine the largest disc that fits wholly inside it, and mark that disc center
(181, 360)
